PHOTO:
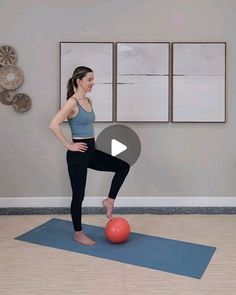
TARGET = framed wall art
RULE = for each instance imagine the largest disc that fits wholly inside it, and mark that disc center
(99, 57)
(142, 81)
(199, 82)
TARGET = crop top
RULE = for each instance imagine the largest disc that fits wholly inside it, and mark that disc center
(82, 124)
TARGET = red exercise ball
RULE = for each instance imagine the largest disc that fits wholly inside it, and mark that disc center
(117, 230)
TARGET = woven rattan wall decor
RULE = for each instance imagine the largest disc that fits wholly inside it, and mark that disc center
(11, 79)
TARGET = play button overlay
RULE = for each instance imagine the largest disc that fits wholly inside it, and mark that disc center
(121, 142)
(117, 147)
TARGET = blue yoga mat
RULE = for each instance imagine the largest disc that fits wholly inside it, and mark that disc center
(153, 252)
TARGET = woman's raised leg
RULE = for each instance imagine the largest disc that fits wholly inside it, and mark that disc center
(104, 162)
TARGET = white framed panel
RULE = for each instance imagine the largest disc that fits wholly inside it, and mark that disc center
(99, 57)
(198, 85)
(142, 82)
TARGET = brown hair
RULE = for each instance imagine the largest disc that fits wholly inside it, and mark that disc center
(78, 73)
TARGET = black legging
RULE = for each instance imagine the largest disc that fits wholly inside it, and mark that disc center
(78, 162)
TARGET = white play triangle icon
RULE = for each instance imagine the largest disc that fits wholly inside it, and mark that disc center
(117, 147)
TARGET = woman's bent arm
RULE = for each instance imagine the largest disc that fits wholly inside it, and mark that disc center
(60, 136)
(58, 120)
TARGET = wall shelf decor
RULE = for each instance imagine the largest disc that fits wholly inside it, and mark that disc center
(8, 55)
(6, 97)
(11, 79)
(21, 102)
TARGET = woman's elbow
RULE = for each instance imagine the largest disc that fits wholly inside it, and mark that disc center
(55, 123)
(53, 126)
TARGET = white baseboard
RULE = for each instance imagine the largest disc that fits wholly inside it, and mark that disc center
(140, 201)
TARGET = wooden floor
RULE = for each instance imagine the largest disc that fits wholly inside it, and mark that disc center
(33, 269)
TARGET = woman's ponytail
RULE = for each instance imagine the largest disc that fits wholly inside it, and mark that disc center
(70, 88)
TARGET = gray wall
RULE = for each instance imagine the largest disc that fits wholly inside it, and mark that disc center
(190, 159)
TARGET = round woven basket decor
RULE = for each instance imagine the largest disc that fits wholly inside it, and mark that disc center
(21, 102)
(11, 77)
(6, 97)
(8, 56)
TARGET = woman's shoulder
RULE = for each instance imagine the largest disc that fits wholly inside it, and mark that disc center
(71, 105)
(72, 99)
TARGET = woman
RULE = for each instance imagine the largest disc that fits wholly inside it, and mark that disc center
(81, 152)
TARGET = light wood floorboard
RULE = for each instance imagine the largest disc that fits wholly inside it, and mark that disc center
(33, 269)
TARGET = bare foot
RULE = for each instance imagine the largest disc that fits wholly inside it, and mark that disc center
(108, 204)
(83, 239)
